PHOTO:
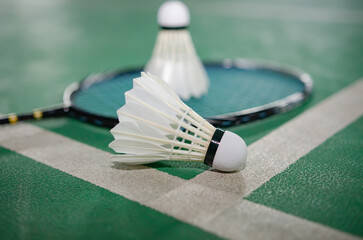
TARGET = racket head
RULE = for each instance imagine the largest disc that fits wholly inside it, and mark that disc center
(241, 91)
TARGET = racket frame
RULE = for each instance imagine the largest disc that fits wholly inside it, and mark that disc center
(224, 120)
(277, 107)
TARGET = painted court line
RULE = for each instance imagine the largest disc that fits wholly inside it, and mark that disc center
(275, 152)
(145, 185)
(209, 201)
(248, 220)
(140, 184)
(266, 158)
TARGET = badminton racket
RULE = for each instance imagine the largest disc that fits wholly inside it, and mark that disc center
(241, 91)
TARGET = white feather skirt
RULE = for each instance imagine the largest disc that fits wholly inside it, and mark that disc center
(175, 60)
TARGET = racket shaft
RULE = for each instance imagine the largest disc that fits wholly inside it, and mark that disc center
(36, 114)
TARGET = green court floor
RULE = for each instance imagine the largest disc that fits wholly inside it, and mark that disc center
(56, 178)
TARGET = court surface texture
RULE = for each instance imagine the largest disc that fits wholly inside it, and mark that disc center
(304, 176)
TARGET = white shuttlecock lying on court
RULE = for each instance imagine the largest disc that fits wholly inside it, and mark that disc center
(174, 58)
(156, 125)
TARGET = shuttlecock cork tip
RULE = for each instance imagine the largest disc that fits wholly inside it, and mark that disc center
(173, 14)
(227, 152)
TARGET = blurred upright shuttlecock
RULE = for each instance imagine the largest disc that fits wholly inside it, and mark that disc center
(174, 58)
(156, 125)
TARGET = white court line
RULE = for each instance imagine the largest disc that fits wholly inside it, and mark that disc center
(275, 152)
(266, 158)
(248, 220)
(141, 184)
(285, 12)
(210, 200)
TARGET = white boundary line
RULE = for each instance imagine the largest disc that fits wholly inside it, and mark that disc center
(139, 183)
(266, 158)
(275, 152)
(212, 201)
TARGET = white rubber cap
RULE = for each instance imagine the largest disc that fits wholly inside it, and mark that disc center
(173, 14)
(231, 153)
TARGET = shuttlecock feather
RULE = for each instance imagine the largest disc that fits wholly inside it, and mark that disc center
(154, 125)
(174, 58)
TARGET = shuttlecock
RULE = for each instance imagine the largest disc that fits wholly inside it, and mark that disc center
(155, 124)
(174, 58)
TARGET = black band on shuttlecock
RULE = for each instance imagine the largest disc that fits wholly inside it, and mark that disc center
(213, 146)
(173, 28)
